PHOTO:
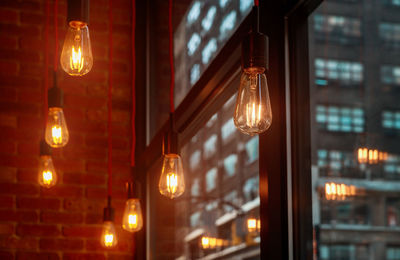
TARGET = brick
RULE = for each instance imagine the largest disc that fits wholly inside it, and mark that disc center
(38, 203)
(8, 16)
(63, 191)
(8, 68)
(6, 202)
(27, 176)
(83, 205)
(32, 18)
(28, 147)
(8, 147)
(8, 94)
(19, 189)
(83, 256)
(84, 179)
(18, 243)
(61, 217)
(61, 244)
(6, 229)
(37, 256)
(37, 230)
(82, 231)
(6, 255)
(18, 216)
(94, 218)
(8, 174)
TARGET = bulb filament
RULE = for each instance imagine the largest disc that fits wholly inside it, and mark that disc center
(47, 177)
(132, 220)
(253, 116)
(76, 60)
(108, 239)
(56, 134)
(172, 183)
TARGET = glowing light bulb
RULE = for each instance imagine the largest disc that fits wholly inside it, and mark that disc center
(132, 220)
(57, 134)
(109, 235)
(205, 242)
(253, 113)
(252, 225)
(76, 56)
(172, 183)
(47, 175)
(362, 155)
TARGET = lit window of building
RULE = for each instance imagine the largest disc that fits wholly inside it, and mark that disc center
(252, 149)
(390, 75)
(223, 3)
(195, 159)
(395, 3)
(390, 34)
(343, 251)
(195, 219)
(193, 43)
(345, 72)
(250, 188)
(230, 164)
(245, 5)
(212, 120)
(210, 146)
(227, 25)
(393, 253)
(194, 13)
(391, 120)
(209, 51)
(207, 21)
(195, 190)
(211, 179)
(340, 119)
(392, 164)
(194, 73)
(228, 129)
(338, 163)
(338, 29)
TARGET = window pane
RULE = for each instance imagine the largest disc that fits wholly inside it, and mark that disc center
(355, 115)
(223, 201)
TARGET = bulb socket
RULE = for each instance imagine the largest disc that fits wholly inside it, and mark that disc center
(78, 12)
(108, 214)
(130, 190)
(255, 51)
(45, 149)
(56, 97)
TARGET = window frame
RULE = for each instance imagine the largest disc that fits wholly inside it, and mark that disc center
(287, 213)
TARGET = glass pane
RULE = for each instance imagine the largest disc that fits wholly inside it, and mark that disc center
(219, 213)
(355, 131)
(203, 31)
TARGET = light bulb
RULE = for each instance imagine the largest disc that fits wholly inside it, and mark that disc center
(132, 220)
(109, 235)
(172, 183)
(76, 56)
(56, 129)
(47, 175)
(253, 113)
(251, 225)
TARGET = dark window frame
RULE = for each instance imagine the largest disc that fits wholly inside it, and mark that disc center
(286, 24)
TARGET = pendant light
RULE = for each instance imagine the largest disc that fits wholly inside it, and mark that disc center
(76, 56)
(56, 134)
(109, 234)
(132, 219)
(253, 113)
(47, 176)
(172, 181)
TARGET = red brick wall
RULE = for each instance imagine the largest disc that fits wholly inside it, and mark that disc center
(63, 222)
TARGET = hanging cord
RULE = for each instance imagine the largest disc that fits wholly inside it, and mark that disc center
(133, 84)
(256, 2)
(56, 36)
(171, 58)
(110, 82)
(46, 63)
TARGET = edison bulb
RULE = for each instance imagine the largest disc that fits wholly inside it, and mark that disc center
(253, 113)
(172, 183)
(109, 235)
(76, 56)
(57, 134)
(132, 220)
(47, 174)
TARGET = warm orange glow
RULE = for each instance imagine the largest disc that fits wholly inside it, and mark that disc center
(133, 221)
(47, 178)
(336, 191)
(172, 182)
(76, 59)
(56, 134)
(252, 225)
(253, 116)
(108, 240)
(371, 156)
(212, 242)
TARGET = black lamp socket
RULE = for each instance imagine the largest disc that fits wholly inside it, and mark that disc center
(78, 11)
